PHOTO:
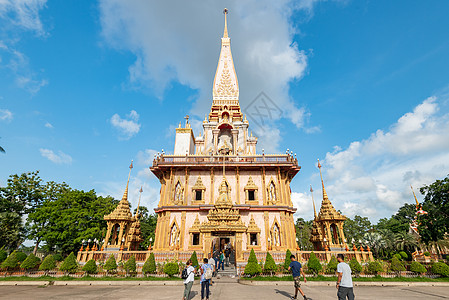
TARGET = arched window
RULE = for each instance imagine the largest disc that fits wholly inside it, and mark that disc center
(271, 191)
(276, 235)
(179, 197)
(173, 234)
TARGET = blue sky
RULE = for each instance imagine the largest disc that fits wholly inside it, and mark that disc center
(363, 85)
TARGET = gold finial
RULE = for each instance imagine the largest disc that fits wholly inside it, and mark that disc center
(187, 120)
(313, 201)
(416, 200)
(225, 34)
(125, 195)
(138, 203)
(179, 126)
(205, 118)
(322, 182)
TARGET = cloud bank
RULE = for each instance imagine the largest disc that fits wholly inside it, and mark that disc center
(59, 158)
(128, 127)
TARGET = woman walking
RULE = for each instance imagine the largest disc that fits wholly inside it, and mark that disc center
(189, 273)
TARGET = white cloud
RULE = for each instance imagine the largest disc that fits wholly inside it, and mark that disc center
(23, 13)
(6, 115)
(127, 127)
(48, 125)
(59, 158)
(187, 49)
(373, 176)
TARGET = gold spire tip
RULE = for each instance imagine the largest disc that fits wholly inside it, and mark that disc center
(225, 34)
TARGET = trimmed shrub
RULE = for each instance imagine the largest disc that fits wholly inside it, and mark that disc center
(270, 265)
(194, 259)
(58, 257)
(48, 264)
(30, 262)
(90, 267)
(110, 265)
(396, 265)
(403, 255)
(356, 268)
(398, 256)
(130, 265)
(21, 256)
(440, 269)
(287, 259)
(69, 265)
(374, 267)
(314, 264)
(11, 261)
(3, 255)
(427, 253)
(332, 265)
(252, 267)
(171, 268)
(416, 267)
(150, 265)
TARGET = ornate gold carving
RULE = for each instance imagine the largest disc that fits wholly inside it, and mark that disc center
(199, 184)
(252, 226)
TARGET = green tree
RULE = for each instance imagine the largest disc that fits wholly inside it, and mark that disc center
(392, 224)
(90, 267)
(30, 262)
(270, 264)
(130, 265)
(21, 256)
(406, 213)
(405, 241)
(110, 265)
(149, 267)
(287, 260)
(332, 265)
(434, 225)
(356, 268)
(303, 232)
(3, 255)
(11, 261)
(171, 268)
(314, 264)
(375, 241)
(397, 266)
(354, 229)
(374, 267)
(48, 264)
(403, 255)
(12, 231)
(252, 266)
(416, 267)
(147, 226)
(194, 259)
(69, 265)
(440, 268)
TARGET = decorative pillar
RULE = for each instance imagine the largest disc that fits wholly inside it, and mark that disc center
(207, 243)
(120, 235)
(264, 192)
(215, 133)
(235, 133)
(238, 246)
(237, 177)
(280, 187)
(267, 227)
(186, 183)
(211, 185)
(108, 233)
(183, 228)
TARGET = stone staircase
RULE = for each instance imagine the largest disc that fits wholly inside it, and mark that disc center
(228, 272)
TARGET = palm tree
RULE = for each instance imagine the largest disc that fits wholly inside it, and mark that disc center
(375, 241)
(404, 240)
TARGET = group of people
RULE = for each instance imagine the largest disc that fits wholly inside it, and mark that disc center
(208, 269)
(344, 279)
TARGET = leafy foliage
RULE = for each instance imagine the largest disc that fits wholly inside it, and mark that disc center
(314, 264)
(252, 267)
(49, 263)
(90, 267)
(194, 259)
(374, 267)
(396, 265)
(440, 269)
(287, 259)
(355, 229)
(270, 264)
(417, 267)
(3, 255)
(147, 226)
(21, 256)
(58, 257)
(149, 267)
(398, 256)
(404, 255)
(434, 224)
(130, 265)
(30, 262)
(11, 261)
(111, 264)
(171, 268)
(303, 232)
(69, 264)
(332, 265)
(356, 268)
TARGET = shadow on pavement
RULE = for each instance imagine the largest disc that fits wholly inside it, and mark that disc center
(286, 294)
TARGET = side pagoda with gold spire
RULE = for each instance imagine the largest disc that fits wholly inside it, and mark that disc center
(327, 227)
(123, 231)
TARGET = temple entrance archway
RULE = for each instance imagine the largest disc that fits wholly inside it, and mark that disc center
(221, 241)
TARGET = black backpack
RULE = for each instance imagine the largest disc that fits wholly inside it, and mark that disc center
(184, 274)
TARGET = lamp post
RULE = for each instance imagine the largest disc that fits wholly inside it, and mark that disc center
(297, 244)
(149, 247)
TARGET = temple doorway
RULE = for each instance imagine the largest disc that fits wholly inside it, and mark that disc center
(222, 242)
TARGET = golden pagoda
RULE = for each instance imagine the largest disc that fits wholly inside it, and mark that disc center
(123, 231)
(327, 227)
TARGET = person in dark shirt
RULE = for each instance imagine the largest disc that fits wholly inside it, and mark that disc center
(296, 269)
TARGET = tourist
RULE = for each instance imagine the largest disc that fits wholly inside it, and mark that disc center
(212, 263)
(206, 275)
(227, 254)
(296, 269)
(216, 260)
(188, 282)
(221, 262)
(344, 281)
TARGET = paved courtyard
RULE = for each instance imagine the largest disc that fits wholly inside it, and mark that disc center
(219, 291)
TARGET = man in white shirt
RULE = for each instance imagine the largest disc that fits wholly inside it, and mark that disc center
(344, 281)
(188, 282)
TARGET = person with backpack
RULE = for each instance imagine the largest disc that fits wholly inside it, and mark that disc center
(206, 275)
(188, 274)
(227, 254)
(221, 262)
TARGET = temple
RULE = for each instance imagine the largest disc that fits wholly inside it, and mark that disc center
(327, 227)
(215, 189)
